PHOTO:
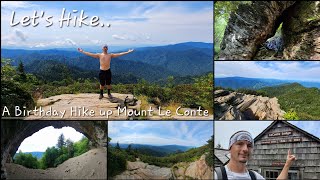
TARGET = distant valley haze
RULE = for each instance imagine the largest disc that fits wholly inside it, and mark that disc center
(257, 83)
(306, 73)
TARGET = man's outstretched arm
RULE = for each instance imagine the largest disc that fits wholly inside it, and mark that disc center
(284, 173)
(88, 54)
(121, 54)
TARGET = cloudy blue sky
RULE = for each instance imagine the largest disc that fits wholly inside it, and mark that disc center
(289, 70)
(186, 133)
(132, 23)
(48, 137)
(224, 129)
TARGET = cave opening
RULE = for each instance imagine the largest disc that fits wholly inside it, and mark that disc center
(89, 163)
(62, 143)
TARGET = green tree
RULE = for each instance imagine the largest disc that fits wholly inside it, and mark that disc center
(7, 71)
(109, 139)
(70, 148)
(81, 146)
(21, 73)
(118, 146)
(49, 157)
(204, 87)
(209, 157)
(116, 162)
(26, 160)
(222, 11)
(61, 141)
(170, 82)
(291, 115)
(129, 148)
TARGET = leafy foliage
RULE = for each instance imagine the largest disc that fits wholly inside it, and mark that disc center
(81, 146)
(54, 156)
(291, 115)
(222, 11)
(209, 157)
(117, 157)
(57, 79)
(13, 89)
(27, 160)
(296, 98)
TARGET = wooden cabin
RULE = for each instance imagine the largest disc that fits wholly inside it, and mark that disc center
(271, 148)
(221, 157)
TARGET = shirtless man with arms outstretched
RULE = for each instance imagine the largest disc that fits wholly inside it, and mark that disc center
(105, 72)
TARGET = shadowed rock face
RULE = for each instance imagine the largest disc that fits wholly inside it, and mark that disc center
(13, 132)
(250, 26)
(301, 30)
(237, 106)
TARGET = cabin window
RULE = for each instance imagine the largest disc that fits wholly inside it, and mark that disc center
(272, 174)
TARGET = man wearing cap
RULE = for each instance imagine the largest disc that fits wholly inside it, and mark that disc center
(105, 72)
(241, 147)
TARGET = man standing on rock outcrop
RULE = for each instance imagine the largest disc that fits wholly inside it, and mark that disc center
(105, 72)
(241, 146)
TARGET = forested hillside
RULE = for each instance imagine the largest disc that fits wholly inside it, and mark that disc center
(55, 155)
(19, 88)
(295, 97)
(149, 63)
(117, 157)
(257, 83)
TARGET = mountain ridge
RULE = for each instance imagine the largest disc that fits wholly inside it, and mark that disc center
(237, 82)
(150, 63)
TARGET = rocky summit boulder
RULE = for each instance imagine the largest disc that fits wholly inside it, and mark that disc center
(238, 106)
(141, 170)
(194, 170)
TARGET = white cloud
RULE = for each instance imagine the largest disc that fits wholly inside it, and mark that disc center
(169, 132)
(56, 43)
(71, 42)
(152, 139)
(115, 36)
(16, 4)
(157, 23)
(276, 70)
(20, 34)
(48, 137)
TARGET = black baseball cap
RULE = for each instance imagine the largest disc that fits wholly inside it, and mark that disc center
(105, 46)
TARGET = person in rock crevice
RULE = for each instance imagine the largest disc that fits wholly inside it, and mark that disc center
(105, 71)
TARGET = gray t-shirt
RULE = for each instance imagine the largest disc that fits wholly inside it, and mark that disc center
(233, 175)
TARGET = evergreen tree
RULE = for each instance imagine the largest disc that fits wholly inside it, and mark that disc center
(21, 73)
(118, 146)
(70, 148)
(209, 157)
(61, 141)
(128, 148)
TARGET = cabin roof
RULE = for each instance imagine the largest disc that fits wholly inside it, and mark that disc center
(290, 125)
(221, 155)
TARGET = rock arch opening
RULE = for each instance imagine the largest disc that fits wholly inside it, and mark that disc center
(252, 24)
(13, 132)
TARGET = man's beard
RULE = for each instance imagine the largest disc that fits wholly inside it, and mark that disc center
(243, 161)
